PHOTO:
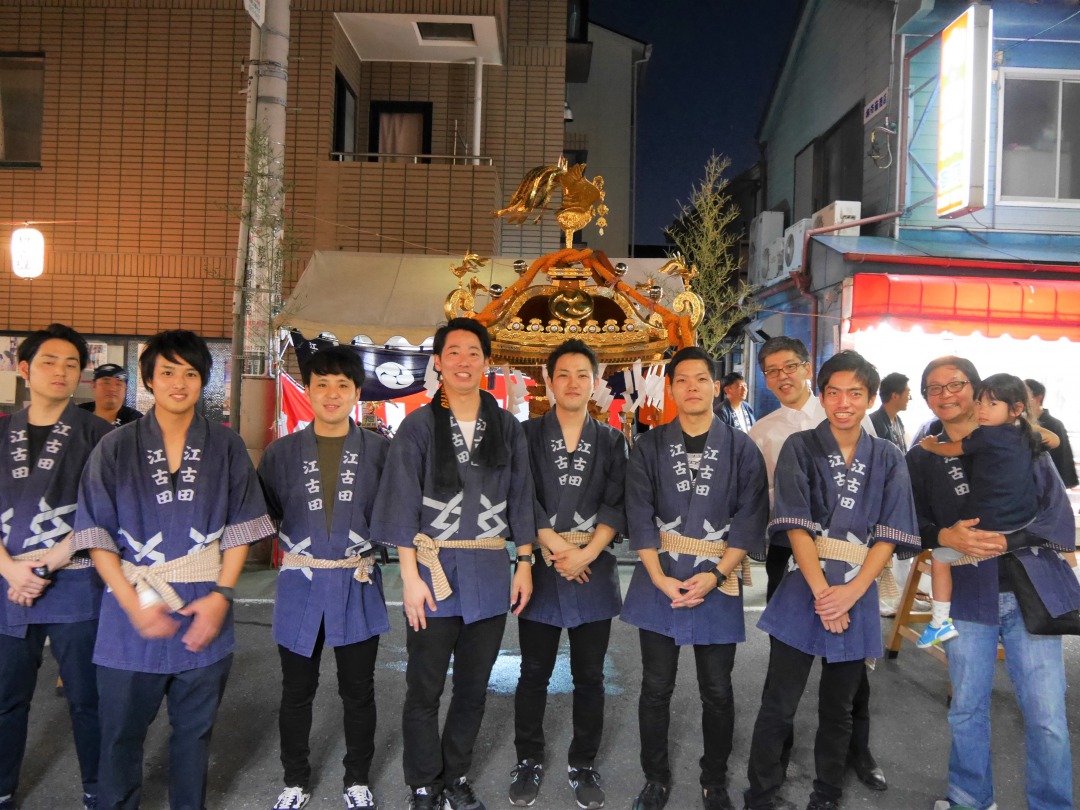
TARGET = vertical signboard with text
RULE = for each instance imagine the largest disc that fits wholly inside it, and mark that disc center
(964, 113)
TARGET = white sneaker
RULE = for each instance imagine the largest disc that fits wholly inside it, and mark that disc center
(359, 796)
(292, 798)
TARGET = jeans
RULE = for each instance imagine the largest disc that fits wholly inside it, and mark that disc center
(659, 666)
(788, 671)
(1036, 667)
(129, 703)
(539, 649)
(20, 659)
(356, 686)
(428, 760)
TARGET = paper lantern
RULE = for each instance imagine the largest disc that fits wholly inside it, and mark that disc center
(27, 252)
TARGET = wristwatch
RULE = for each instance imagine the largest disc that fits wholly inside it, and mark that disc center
(43, 572)
(226, 592)
(720, 576)
(524, 558)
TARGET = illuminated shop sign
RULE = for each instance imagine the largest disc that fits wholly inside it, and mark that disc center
(964, 113)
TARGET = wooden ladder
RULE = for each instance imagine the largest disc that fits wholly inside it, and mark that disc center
(907, 616)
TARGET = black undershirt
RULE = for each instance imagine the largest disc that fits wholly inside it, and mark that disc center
(38, 435)
(695, 446)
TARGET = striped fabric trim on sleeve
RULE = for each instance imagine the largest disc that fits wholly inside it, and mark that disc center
(792, 522)
(891, 535)
(94, 537)
(246, 533)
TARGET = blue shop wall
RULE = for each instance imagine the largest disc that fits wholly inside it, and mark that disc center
(1014, 22)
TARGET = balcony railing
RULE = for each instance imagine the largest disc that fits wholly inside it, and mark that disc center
(387, 157)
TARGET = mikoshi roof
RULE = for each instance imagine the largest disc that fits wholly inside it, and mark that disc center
(382, 296)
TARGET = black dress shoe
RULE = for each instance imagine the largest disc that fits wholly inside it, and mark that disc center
(866, 768)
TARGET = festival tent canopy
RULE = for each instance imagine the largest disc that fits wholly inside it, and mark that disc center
(382, 296)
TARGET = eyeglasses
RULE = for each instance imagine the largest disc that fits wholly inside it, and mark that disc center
(788, 370)
(955, 387)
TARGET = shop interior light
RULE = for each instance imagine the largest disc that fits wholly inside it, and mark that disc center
(27, 252)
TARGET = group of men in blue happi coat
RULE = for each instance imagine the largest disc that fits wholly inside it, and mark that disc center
(123, 546)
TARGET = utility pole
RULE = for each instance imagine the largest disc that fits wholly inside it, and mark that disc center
(259, 255)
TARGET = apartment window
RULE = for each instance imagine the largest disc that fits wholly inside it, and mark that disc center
(830, 167)
(22, 102)
(344, 118)
(399, 130)
(1040, 137)
(842, 160)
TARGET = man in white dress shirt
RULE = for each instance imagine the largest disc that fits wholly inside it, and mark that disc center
(785, 362)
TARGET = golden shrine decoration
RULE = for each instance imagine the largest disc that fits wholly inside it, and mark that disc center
(585, 298)
(582, 199)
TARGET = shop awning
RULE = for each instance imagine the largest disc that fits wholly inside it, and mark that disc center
(993, 307)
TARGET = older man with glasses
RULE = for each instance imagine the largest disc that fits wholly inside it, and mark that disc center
(786, 365)
(985, 608)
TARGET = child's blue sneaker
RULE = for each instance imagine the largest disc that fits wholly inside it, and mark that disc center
(933, 636)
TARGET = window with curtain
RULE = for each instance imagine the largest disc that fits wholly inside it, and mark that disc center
(400, 130)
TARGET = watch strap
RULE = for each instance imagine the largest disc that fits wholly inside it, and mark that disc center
(228, 593)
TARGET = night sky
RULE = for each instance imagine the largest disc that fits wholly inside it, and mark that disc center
(712, 69)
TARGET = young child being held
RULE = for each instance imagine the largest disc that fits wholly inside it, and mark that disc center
(1002, 477)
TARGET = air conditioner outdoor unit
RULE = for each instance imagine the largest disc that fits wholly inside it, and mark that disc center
(764, 229)
(774, 261)
(793, 245)
(837, 213)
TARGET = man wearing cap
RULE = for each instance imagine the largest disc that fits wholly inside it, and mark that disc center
(110, 389)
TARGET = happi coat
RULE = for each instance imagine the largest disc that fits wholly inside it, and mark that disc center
(37, 510)
(128, 505)
(865, 503)
(728, 500)
(491, 502)
(576, 492)
(310, 598)
(942, 490)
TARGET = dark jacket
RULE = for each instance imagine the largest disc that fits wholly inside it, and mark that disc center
(1062, 455)
(727, 414)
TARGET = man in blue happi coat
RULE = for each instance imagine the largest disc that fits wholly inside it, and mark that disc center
(168, 505)
(842, 501)
(455, 488)
(43, 593)
(320, 485)
(696, 505)
(985, 606)
(579, 469)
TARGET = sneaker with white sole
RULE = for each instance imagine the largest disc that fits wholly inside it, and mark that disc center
(359, 796)
(934, 636)
(292, 798)
(586, 784)
(525, 782)
(458, 795)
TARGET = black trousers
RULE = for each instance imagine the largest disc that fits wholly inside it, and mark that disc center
(20, 660)
(659, 666)
(430, 759)
(129, 702)
(776, 562)
(539, 649)
(788, 671)
(356, 686)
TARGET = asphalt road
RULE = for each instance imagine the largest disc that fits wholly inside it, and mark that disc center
(910, 734)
